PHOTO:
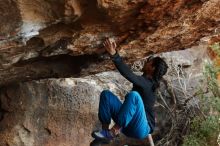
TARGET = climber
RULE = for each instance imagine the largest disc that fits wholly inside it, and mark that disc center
(135, 116)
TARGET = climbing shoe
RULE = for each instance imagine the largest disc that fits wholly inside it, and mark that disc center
(105, 136)
(96, 143)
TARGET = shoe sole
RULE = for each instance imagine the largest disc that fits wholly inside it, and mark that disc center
(96, 143)
(103, 140)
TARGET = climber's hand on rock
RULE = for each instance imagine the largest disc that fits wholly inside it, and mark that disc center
(110, 46)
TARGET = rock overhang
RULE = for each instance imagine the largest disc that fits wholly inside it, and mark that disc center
(40, 29)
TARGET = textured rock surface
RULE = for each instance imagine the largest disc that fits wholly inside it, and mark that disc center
(38, 30)
(63, 112)
(63, 38)
(52, 112)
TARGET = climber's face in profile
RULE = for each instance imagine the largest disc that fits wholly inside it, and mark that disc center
(148, 68)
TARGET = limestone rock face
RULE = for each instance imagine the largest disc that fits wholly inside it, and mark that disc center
(63, 112)
(36, 34)
(60, 112)
(62, 39)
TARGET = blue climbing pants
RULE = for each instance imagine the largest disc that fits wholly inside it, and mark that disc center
(130, 115)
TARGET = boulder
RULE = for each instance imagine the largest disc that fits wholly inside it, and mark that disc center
(64, 111)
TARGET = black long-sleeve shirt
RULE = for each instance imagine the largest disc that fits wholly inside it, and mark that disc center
(142, 85)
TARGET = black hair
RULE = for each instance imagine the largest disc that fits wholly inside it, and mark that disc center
(159, 71)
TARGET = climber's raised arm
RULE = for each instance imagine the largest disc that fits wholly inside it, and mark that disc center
(110, 46)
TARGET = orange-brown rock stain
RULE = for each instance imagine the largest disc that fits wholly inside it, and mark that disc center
(213, 55)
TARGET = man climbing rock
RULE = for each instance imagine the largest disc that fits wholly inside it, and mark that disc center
(135, 116)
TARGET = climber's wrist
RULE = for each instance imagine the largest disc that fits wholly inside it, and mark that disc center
(113, 55)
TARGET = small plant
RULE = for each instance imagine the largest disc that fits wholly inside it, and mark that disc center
(216, 48)
(204, 130)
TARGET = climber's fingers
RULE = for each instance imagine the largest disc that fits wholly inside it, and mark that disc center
(107, 45)
(109, 42)
(110, 46)
(114, 44)
(104, 44)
